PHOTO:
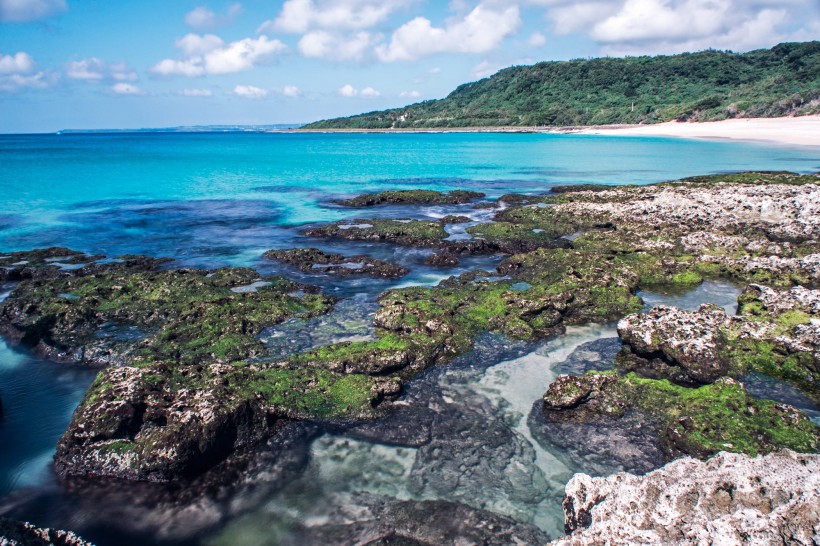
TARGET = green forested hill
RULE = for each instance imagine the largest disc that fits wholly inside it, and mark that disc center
(709, 85)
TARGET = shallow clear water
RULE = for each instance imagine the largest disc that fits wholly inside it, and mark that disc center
(214, 200)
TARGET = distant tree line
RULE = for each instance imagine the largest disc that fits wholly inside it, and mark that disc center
(704, 86)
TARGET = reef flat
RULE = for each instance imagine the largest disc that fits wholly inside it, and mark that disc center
(188, 383)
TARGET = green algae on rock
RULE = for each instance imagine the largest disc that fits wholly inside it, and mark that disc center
(699, 421)
(313, 260)
(776, 332)
(116, 316)
(411, 197)
(419, 233)
(161, 421)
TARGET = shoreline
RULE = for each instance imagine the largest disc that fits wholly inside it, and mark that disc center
(792, 131)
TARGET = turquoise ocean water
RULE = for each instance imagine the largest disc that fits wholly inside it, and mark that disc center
(222, 199)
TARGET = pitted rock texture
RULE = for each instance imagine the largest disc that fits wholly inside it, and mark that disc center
(730, 499)
(776, 332)
(688, 346)
(18, 533)
(781, 212)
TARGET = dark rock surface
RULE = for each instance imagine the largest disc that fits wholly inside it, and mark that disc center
(373, 520)
(313, 260)
(411, 197)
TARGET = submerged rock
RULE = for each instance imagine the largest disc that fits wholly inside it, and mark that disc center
(313, 260)
(730, 499)
(368, 519)
(18, 533)
(411, 197)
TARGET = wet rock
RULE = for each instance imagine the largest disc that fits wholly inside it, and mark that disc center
(455, 219)
(18, 533)
(313, 260)
(604, 445)
(518, 200)
(416, 233)
(117, 316)
(441, 259)
(369, 519)
(159, 422)
(411, 197)
(697, 422)
(731, 499)
(579, 187)
(777, 332)
(598, 355)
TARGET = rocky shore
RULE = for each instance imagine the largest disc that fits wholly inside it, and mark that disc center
(18, 533)
(729, 499)
(188, 384)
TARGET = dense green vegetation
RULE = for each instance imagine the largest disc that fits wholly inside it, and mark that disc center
(709, 85)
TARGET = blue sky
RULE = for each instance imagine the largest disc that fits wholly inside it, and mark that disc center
(161, 63)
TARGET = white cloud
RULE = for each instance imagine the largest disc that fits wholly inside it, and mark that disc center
(291, 91)
(126, 89)
(671, 26)
(196, 44)
(201, 18)
(22, 11)
(366, 93)
(250, 92)
(19, 63)
(348, 91)
(409, 94)
(218, 59)
(321, 44)
(95, 70)
(195, 93)
(536, 39)
(299, 16)
(480, 31)
(19, 71)
(369, 93)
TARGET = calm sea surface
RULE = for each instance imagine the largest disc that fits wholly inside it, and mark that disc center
(223, 199)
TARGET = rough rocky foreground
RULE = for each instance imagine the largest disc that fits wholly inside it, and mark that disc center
(193, 389)
(730, 499)
(18, 533)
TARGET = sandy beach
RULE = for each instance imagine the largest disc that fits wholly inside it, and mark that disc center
(799, 131)
(803, 131)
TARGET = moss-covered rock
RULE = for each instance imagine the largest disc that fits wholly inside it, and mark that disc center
(411, 197)
(115, 315)
(777, 332)
(417, 233)
(313, 260)
(52, 262)
(699, 421)
(162, 421)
